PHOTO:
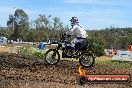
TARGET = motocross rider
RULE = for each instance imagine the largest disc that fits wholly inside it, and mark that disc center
(78, 33)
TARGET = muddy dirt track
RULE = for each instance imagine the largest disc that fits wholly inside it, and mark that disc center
(17, 71)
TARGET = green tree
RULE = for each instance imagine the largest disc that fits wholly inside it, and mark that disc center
(4, 32)
(124, 41)
(43, 22)
(51, 26)
(57, 24)
(19, 25)
(97, 44)
(118, 38)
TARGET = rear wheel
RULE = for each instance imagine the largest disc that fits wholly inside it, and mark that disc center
(87, 59)
(52, 57)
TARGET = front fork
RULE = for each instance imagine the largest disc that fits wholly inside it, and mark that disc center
(56, 50)
(78, 54)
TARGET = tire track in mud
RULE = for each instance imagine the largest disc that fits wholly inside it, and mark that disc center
(18, 69)
(15, 67)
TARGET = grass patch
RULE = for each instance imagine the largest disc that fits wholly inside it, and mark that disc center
(30, 51)
(120, 63)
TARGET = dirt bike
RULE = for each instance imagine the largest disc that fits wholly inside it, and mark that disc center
(83, 52)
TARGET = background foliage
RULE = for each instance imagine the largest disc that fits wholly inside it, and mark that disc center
(48, 27)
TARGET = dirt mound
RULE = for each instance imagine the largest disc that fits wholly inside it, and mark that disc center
(19, 71)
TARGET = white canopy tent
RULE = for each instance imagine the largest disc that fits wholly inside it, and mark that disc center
(3, 40)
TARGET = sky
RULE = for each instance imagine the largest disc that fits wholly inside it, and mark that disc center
(92, 14)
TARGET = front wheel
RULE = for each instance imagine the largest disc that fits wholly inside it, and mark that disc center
(87, 59)
(52, 57)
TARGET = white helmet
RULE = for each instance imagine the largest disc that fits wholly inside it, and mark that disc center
(74, 21)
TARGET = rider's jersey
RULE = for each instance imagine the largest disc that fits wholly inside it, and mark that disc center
(78, 31)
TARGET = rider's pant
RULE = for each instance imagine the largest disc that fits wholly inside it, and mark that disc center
(79, 43)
